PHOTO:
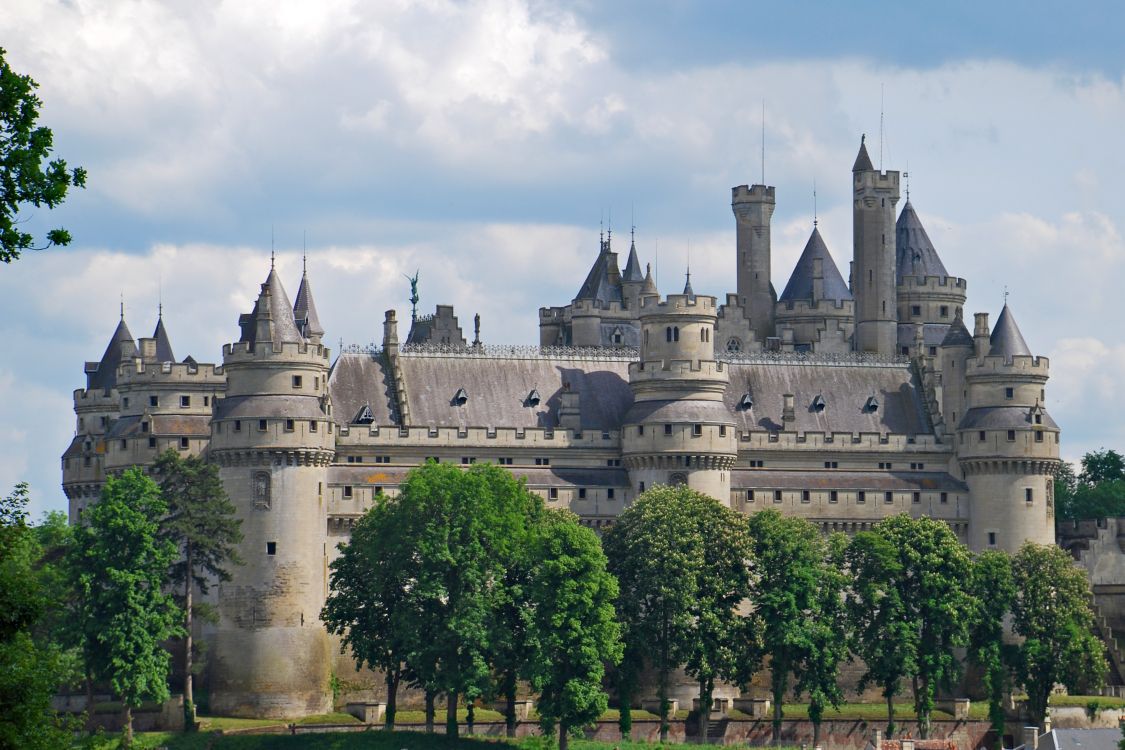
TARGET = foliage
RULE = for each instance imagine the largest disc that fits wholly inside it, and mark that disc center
(993, 591)
(573, 627)
(910, 608)
(1097, 492)
(23, 149)
(202, 525)
(657, 554)
(121, 565)
(31, 666)
(1051, 612)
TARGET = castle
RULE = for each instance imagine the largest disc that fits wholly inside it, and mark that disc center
(841, 402)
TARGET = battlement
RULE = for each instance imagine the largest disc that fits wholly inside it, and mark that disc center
(479, 439)
(659, 368)
(833, 307)
(679, 304)
(1020, 365)
(552, 313)
(170, 372)
(242, 352)
(840, 441)
(753, 194)
(933, 283)
(877, 181)
(95, 398)
(587, 306)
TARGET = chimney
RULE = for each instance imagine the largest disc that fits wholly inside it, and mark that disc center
(390, 331)
(980, 335)
(570, 415)
(788, 411)
(1030, 738)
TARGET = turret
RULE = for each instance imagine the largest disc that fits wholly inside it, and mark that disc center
(632, 280)
(678, 430)
(1007, 444)
(875, 196)
(955, 351)
(753, 208)
(816, 311)
(272, 439)
(304, 310)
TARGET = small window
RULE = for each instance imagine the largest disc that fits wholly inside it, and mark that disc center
(722, 430)
(818, 403)
(915, 310)
(504, 461)
(609, 493)
(183, 443)
(757, 464)
(1039, 436)
(697, 430)
(916, 497)
(642, 484)
(85, 460)
(675, 333)
(125, 402)
(933, 351)
(290, 425)
(605, 435)
(640, 430)
(1009, 393)
(831, 464)
(833, 496)
(271, 548)
(1028, 494)
(668, 334)
(154, 401)
(144, 426)
(980, 436)
(124, 445)
(777, 496)
(667, 429)
(1038, 419)
(238, 425)
(313, 426)
(581, 493)
(185, 402)
(1011, 436)
(944, 498)
(152, 442)
(378, 489)
(553, 493)
(542, 462)
(298, 381)
(805, 497)
(261, 425)
(206, 400)
(992, 539)
(347, 490)
(888, 498)
(861, 498)
(468, 460)
(749, 496)
(943, 311)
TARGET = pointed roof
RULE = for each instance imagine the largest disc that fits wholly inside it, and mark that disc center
(862, 160)
(958, 334)
(1006, 339)
(650, 285)
(279, 312)
(800, 286)
(121, 346)
(304, 309)
(916, 254)
(633, 266)
(163, 343)
(598, 286)
(687, 285)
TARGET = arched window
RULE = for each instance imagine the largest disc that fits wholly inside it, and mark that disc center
(677, 480)
(675, 333)
(703, 335)
(262, 490)
(734, 345)
(668, 333)
(646, 338)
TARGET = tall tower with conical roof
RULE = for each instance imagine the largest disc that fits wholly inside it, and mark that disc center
(875, 195)
(272, 438)
(753, 208)
(1007, 444)
(928, 296)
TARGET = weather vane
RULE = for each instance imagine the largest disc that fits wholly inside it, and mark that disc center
(413, 294)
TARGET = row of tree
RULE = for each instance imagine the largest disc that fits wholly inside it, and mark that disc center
(1096, 491)
(465, 584)
(99, 601)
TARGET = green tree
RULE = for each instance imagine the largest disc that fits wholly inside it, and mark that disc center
(370, 605)
(573, 626)
(201, 523)
(656, 552)
(910, 608)
(1097, 492)
(1051, 612)
(31, 666)
(1105, 465)
(122, 568)
(24, 146)
(1065, 485)
(795, 580)
(993, 592)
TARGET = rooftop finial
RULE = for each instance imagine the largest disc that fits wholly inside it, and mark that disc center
(159, 297)
(814, 203)
(413, 294)
(1005, 295)
(609, 230)
(763, 141)
(123, 305)
(304, 253)
(881, 127)
(906, 176)
(271, 248)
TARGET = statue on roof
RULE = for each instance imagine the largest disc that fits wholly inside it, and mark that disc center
(413, 294)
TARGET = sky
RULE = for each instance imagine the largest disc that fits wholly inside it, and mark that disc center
(482, 144)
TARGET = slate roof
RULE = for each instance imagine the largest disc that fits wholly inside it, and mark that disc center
(916, 255)
(304, 310)
(862, 160)
(933, 334)
(1002, 418)
(1080, 739)
(751, 479)
(800, 286)
(163, 343)
(687, 286)
(121, 346)
(633, 266)
(546, 476)
(268, 407)
(958, 334)
(280, 311)
(194, 425)
(359, 380)
(597, 285)
(1006, 339)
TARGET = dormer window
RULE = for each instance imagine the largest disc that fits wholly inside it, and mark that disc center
(533, 398)
(818, 404)
(746, 402)
(871, 405)
(460, 397)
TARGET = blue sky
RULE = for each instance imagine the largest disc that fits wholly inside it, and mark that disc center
(482, 142)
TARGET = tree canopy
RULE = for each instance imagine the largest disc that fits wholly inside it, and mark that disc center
(1098, 490)
(25, 178)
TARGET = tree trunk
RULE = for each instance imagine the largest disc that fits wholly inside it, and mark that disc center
(451, 714)
(925, 706)
(706, 687)
(816, 735)
(392, 698)
(89, 701)
(429, 711)
(470, 714)
(127, 727)
(890, 714)
(662, 694)
(510, 704)
(625, 721)
(779, 681)
(564, 736)
(189, 696)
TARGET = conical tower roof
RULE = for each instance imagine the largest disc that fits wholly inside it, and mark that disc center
(650, 285)
(163, 343)
(304, 310)
(273, 305)
(916, 254)
(862, 160)
(598, 285)
(800, 286)
(687, 285)
(1006, 339)
(633, 266)
(958, 334)
(121, 346)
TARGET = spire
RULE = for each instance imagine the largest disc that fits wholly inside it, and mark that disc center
(862, 160)
(800, 286)
(916, 254)
(633, 265)
(121, 347)
(160, 335)
(687, 284)
(958, 334)
(1006, 339)
(304, 309)
(272, 318)
(599, 285)
(650, 285)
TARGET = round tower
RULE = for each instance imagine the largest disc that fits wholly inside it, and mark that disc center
(875, 195)
(1007, 444)
(753, 208)
(678, 430)
(272, 439)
